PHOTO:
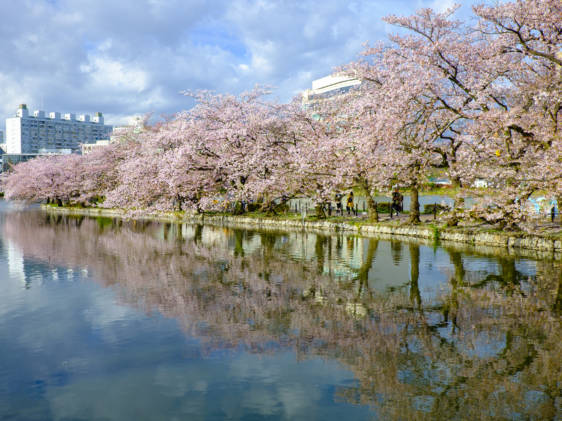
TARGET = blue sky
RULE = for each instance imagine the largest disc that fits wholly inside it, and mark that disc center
(131, 57)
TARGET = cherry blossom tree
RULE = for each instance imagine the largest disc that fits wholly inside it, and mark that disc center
(318, 166)
(445, 91)
(427, 84)
(474, 102)
(56, 178)
(354, 150)
(240, 144)
(517, 141)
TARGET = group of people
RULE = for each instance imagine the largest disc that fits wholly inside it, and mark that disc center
(348, 205)
(396, 206)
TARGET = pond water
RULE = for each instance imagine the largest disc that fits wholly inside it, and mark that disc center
(118, 320)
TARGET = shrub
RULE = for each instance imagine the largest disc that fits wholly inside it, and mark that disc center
(435, 207)
(383, 207)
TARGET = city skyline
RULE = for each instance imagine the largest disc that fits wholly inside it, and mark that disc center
(129, 59)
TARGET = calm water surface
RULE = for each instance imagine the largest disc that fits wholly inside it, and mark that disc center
(103, 319)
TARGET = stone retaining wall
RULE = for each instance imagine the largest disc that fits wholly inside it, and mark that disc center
(448, 235)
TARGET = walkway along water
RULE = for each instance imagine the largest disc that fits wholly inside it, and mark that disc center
(472, 236)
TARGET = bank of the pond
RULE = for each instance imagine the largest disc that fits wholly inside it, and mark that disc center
(475, 236)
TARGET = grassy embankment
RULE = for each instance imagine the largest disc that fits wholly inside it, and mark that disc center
(437, 226)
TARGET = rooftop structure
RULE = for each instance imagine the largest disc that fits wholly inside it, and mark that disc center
(327, 87)
(52, 133)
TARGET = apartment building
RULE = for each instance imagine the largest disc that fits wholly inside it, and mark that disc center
(52, 133)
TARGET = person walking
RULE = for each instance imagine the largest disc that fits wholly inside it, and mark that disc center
(349, 205)
(397, 202)
(339, 207)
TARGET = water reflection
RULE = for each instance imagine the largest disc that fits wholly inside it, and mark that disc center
(429, 332)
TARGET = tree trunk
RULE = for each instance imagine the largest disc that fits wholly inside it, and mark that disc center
(414, 206)
(372, 210)
(363, 274)
(558, 302)
(177, 203)
(239, 208)
(319, 249)
(458, 206)
(451, 308)
(198, 236)
(270, 207)
(415, 295)
(320, 212)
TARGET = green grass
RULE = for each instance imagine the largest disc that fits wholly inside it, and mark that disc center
(352, 221)
(442, 191)
(436, 232)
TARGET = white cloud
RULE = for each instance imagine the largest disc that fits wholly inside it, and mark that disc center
(106, 72)
(442, 5)
(134, 56)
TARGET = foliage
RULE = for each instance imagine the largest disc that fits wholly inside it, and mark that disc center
(435, 208)
(474, 102)
(383, 207)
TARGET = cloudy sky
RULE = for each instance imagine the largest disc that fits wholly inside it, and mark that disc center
(131, 57)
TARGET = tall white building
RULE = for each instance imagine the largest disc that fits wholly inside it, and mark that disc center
(327, 87)
(54, 133)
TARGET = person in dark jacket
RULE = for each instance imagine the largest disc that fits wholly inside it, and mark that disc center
(339, 207)
(349, 204)
(397, 201)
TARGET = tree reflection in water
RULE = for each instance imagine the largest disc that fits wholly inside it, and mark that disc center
(487, 346)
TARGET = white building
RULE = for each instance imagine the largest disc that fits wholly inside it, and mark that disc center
(327, 87)
(90, 147)
(54, 133)
(480, 183)
(2, 144)
(118, 134)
